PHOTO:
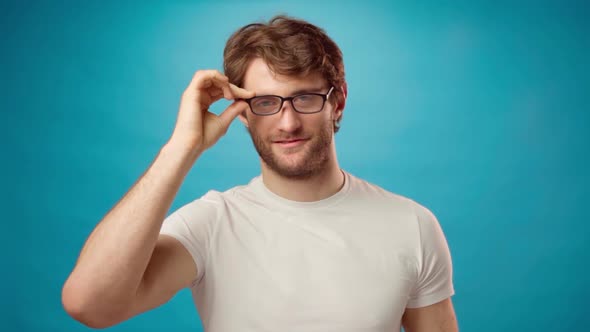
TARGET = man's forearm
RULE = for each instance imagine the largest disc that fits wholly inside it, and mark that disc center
(115, 256)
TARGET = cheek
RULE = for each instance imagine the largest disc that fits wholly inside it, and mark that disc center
(322, 120)
(259, 126)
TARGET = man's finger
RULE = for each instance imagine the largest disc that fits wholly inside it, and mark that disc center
(231, 112)
(240, 93)
(206, 78)
(222, 82)
(216, 95)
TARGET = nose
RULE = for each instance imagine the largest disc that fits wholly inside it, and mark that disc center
(289, 120)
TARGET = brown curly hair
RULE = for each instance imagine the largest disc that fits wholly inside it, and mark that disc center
(290, 47)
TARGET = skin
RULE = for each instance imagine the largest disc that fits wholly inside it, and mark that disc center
(309, 171)
(126, 267)
(111, 282)
(438, 317)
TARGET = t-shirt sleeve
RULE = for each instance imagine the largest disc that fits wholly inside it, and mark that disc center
(192, 225)
(435, 274)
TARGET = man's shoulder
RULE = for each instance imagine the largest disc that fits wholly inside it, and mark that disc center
(222, 195)
(215, 201)
(365, 189)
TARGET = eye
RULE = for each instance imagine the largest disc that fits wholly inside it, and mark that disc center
(265, 102)
(304, 100)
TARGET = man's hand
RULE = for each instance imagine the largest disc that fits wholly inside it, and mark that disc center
(125, 266)
(197, 129)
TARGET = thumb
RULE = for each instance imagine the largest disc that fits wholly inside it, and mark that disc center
(231, 112)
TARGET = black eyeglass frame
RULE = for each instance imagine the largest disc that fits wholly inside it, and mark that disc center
(325, 97)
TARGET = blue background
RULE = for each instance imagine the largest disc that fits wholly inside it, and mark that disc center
(478, 110)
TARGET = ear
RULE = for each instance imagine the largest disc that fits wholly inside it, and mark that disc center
(243, 118)
(340, 106)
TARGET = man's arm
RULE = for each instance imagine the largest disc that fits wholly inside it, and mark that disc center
(438, 317)
(126, 266)
(112, 265)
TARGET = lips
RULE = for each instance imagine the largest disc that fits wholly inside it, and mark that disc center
(289, 140)
(288, 143)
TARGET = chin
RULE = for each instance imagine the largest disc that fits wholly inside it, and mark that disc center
(301, 162)
(287, 165)
(296, 166)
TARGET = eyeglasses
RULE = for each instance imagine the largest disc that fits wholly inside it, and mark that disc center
(305, 103)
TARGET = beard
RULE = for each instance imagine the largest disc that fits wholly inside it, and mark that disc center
(308, 160)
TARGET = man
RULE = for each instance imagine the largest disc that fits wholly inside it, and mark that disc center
(305, 246)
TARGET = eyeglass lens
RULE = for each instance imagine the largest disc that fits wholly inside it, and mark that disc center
(303, 103)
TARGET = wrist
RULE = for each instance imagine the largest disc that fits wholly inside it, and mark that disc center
(182, 151)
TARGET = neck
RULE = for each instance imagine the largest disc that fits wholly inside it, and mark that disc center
(322, 185)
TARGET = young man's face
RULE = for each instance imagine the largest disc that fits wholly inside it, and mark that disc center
(292, 144)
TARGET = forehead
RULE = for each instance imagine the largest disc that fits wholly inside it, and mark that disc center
(262, 80)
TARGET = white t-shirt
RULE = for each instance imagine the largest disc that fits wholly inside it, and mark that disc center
(351, 262)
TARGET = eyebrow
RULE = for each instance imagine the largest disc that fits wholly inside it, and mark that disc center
(298, 91)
